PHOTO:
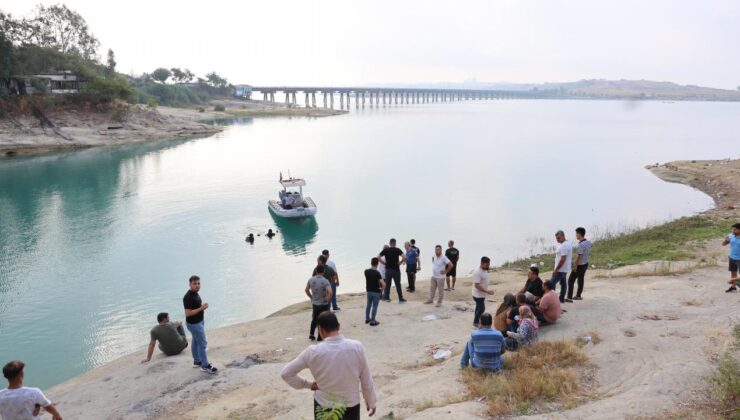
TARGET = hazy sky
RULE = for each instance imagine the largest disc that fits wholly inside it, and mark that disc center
(408, 41)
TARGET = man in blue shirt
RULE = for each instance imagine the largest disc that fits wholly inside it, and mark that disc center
(733, 240)
(411, 257)
(485, 347)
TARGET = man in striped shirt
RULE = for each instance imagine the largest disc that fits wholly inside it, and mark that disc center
(485, 347)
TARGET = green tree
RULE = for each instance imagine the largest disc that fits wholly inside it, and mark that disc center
(161, 74)
(188, 76)
(177, 74)
(110, 67)
(7, 55)
(215, 80)
(59, 27)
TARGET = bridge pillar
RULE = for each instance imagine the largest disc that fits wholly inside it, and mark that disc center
(341, 100)
(306, 103)
(313, 99)
(295, 102)
(383, 97)
(287, 98)
(331, 100)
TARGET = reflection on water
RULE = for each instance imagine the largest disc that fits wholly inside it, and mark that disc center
(296, 234)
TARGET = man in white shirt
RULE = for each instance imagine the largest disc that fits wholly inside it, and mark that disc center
(18, 402)
(339, 367)
(563, 261)
(480, 289)
(441, 265)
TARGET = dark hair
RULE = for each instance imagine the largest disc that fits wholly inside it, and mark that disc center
(521, 298)
(451, 242)
(393, 240)
(194, 278)
(12, 369)
(550, 284)
(328, 321)
(374, 261)
(413, 241)
(736, 225)
(485, 260)
(325, 252)
(162, 316)
(508, 303)
(581, 231)
(323, 259)
(560, 232)
(486, 319)
(320, 269)
(535, 270)
(438, 246)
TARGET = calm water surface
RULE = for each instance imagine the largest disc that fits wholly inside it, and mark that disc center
(94, 243)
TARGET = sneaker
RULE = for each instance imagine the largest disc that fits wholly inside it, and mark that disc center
(577, 298)
(427, 302)
(402, 300)
(475, 327)
(569, 300)
(374, 323)
(337, 309)
(209, 369)
(196, 364)
(319, 339)
(367, 321)
(386, 300)
(731, 289)
(311, 337)
(448, 289)
(438, 305)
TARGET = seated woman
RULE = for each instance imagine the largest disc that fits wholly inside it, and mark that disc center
(526, 334)
(499, 321)
(485, 347)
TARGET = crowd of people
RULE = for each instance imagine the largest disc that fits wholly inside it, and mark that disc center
(339, 366)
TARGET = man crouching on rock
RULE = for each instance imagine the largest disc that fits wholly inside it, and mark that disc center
(339, 367)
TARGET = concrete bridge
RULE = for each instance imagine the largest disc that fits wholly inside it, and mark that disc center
(376, 96)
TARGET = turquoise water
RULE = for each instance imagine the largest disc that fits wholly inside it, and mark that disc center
(94, 243)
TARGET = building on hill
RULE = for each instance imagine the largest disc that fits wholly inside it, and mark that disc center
(53, 82)
(243, 91)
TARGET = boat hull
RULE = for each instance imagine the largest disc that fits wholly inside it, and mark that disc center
(295, 213)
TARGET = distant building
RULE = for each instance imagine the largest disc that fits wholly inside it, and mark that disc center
(243, 91)
(55, 83)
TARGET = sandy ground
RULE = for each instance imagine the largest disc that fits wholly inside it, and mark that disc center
(661, 336)
(92, 129)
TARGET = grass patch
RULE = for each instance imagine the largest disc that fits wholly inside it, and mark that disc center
(663, 242)
(546, 372)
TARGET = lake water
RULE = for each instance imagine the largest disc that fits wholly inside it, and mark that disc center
(94, 243)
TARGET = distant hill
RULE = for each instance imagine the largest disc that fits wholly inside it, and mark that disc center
(599, 88)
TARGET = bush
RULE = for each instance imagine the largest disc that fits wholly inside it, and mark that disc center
(104, 90)
(201, 109)
(151, 102)
(120, 113)
(170, 95)
(219, 108)
(2, 113)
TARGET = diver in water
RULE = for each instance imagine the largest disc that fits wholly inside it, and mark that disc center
(270, 233)
(250, 238)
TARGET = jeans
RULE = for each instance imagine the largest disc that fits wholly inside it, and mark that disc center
(373, 299)
(480, 307)
(561, 277)
(579, 274)
(395, 274)
(199, 342)
(412, 279)
(334, 296)
(352, 413)
(317, 309)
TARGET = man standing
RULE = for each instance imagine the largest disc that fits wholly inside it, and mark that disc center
(418, 255)
(334, 281)
(453, 255)
(733, 240)
(411, 258)
(480, 289)
(549, 305)
(339, 367)
(318, 289)
(533, 286)
(171, 337)
(18, 402)
(563, 261)
(374, 286)
(583, 251)
(485, 347)
(393, 259)
(194, 321)
(441, 265)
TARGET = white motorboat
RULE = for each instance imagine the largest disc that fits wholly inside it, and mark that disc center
(292, 203)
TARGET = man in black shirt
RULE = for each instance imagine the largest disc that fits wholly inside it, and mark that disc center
(533, 284)
(194, 309)
(418, 255)
(374, 285)
(453, 255)
(393, 259)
